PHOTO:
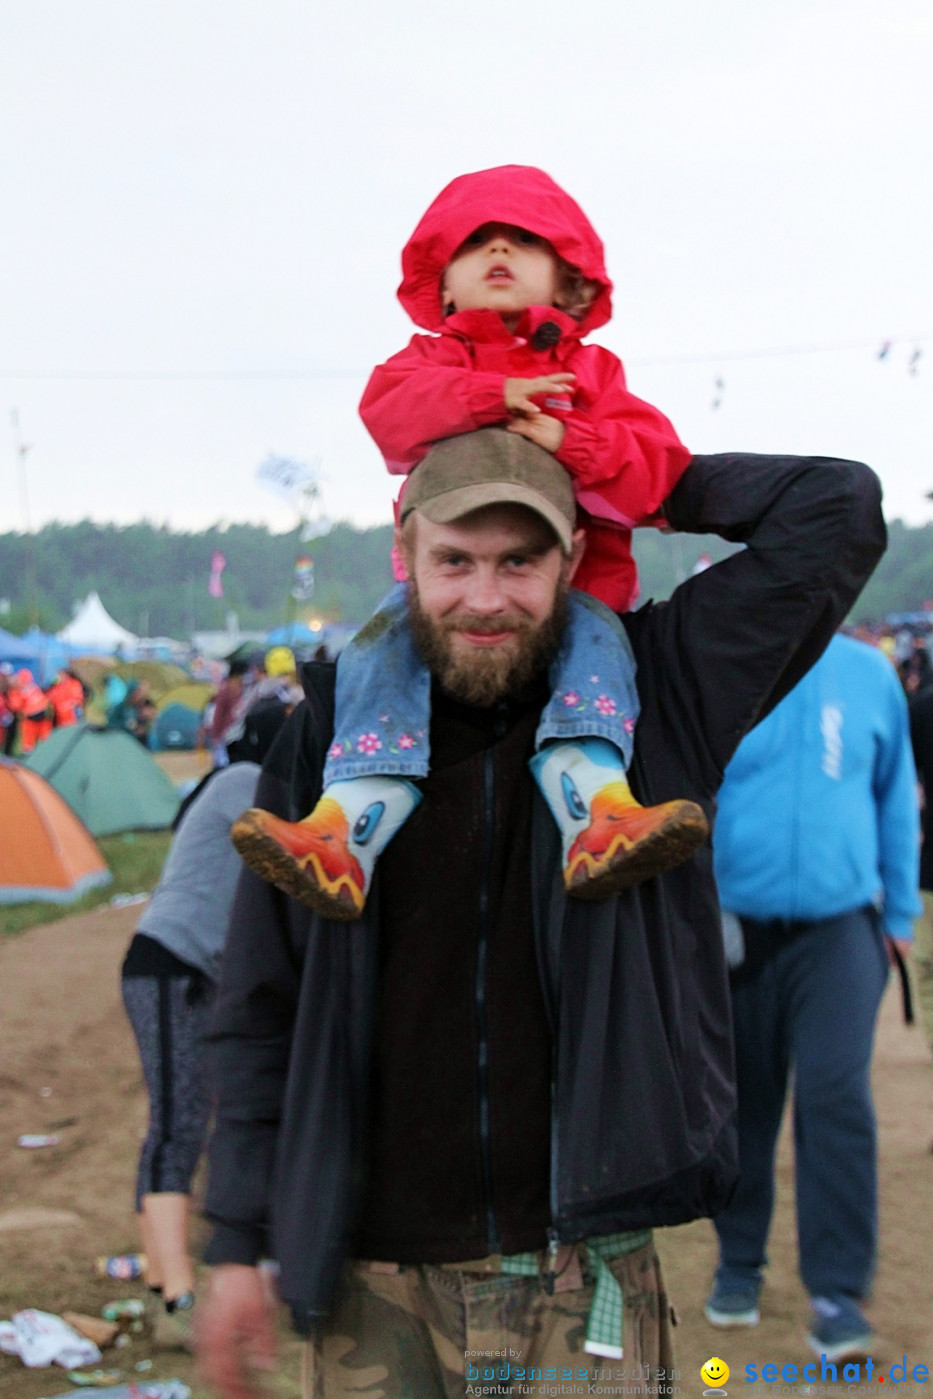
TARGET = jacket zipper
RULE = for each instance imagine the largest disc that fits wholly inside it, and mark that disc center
(494, 1243)
(553, 1233)
(553, 1237)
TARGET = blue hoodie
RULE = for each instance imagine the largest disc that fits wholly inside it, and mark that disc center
(818, 812)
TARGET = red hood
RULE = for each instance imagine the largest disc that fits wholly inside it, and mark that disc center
(515, 194)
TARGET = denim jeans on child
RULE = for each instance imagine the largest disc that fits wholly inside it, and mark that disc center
(383, 704)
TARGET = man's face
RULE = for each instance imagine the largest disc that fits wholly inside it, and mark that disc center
(487, 599)
(504, 269)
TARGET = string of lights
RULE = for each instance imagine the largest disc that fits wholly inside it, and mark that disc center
(882, 351)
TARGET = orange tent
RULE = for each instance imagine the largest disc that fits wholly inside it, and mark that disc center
(45, 851)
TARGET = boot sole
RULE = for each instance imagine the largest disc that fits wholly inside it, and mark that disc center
(681, 835)
(265, 857)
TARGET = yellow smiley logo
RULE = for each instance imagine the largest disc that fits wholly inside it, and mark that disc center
(715, 1372)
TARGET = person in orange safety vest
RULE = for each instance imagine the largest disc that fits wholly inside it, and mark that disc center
(29, 701)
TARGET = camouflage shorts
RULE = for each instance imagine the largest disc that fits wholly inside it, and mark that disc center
(444, 1333)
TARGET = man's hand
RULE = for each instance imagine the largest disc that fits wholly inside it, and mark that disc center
(547, 432)
(903, 945)
(519, 392)
(235, 1331)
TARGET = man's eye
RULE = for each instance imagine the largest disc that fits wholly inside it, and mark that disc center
(517, 561)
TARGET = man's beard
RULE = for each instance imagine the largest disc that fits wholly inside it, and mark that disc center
(479, 675)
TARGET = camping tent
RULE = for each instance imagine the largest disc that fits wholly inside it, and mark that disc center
(175, 726)
(92, 629)
(45, 852)
(160, 676)
(107, 778)
(42, 655)
(193, 694)
(294, 634)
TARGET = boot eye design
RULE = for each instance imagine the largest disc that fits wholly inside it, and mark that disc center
(572, 798)
(365, 826)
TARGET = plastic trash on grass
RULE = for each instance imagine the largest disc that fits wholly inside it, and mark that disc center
(41, 1338)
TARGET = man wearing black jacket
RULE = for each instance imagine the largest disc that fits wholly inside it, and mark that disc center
(921, 738)
(491, 1089)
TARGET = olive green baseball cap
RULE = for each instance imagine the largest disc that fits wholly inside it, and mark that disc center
(491, 467)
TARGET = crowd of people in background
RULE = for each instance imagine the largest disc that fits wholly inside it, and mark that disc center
(907, 647)
(29, 713)
(256, 688)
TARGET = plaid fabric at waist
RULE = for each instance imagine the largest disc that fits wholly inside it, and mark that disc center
(604, 1325)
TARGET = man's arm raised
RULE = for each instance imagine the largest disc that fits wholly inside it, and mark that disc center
(737, 637)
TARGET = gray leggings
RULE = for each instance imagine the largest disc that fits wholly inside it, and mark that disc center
(169, 1015)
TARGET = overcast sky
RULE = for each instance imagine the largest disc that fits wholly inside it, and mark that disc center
(204, 203)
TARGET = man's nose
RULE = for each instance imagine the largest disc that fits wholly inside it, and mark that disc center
(485, 594)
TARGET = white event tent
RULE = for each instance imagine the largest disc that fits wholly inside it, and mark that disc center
(92, 629)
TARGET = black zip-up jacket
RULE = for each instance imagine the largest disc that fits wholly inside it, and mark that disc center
(642, 1129)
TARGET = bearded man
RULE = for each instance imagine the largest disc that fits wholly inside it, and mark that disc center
(454, 1122)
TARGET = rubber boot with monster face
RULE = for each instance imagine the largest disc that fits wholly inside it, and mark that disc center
(326, 861)
(610, 841)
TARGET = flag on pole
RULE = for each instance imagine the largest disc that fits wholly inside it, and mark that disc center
(303, 581)
(218, 563)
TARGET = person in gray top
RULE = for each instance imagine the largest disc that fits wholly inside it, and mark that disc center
(168, 980)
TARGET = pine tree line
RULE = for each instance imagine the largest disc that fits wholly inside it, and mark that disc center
(153, 580)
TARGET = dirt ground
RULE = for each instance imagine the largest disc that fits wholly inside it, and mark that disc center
(69, 1065)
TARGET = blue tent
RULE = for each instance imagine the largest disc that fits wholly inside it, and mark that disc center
(42, 655)
(333, 635)
(54, 655)
(294, 634)
(176, 726)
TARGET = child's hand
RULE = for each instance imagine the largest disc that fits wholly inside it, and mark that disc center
(519, 392)
(546, 431)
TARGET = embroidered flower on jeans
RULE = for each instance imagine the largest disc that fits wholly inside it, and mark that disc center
(605, 705)
(628, 725)
(368, 743)
(335, 750)
(406, 741)
(571, 698)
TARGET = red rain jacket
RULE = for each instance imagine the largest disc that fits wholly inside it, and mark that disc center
(27, 699)
(66, 697)
(624, 455)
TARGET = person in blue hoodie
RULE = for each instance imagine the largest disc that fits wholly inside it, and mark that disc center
(816, 853)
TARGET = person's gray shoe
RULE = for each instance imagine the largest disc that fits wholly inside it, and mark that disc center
(839, 1331)
(733, 1300)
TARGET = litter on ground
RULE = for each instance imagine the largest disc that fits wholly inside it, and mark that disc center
(41, 1338)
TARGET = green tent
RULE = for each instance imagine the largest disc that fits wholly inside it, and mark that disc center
(110, 781)
(175, 726)
(159, 675)
(194, 694)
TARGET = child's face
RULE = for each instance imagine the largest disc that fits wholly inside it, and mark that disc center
(501, 268)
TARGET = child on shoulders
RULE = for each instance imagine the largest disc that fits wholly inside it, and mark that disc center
(509, 274)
